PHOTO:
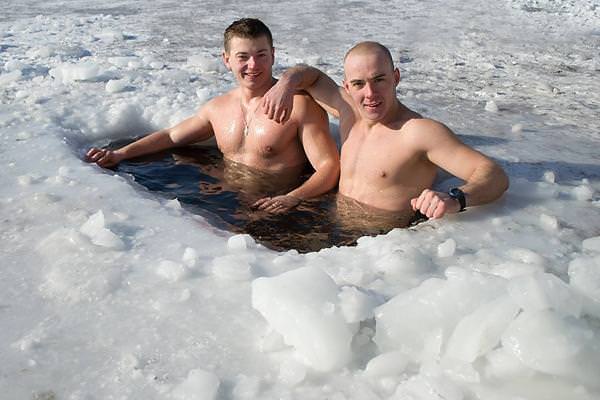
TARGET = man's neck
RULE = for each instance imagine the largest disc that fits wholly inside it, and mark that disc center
(247, 94)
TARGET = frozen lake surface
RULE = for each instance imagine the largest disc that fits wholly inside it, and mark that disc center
(108, 291)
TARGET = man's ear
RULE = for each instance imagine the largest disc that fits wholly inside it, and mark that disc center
(345, 85)
(225, 58)
(396, 76)
(272, 55)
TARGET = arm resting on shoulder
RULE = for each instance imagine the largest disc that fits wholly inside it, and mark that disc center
(278, 100)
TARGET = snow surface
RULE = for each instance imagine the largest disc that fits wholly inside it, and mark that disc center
(110, 292)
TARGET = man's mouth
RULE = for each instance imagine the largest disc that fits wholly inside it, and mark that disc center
(251, 75)
(372, 105)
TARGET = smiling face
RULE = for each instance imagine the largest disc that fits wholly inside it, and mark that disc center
(251, 61)
(371, 80)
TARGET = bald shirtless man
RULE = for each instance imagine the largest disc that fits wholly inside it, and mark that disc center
(390, 154)
(244, 134)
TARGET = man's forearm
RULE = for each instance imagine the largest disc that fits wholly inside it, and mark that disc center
(321, 181)
(152, 143)
(301, 76)
(486, 184)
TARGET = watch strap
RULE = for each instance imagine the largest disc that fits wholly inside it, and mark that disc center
(459, 195)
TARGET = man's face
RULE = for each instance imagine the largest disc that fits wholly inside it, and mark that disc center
(250, 61)
(371, 81)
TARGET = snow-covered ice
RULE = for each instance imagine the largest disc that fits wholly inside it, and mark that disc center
(108, 291)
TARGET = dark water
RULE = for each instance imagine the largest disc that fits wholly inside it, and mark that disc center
(195, 176)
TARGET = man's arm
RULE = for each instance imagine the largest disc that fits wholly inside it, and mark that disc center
(322, 154)
(194, 129)
(277, 102)
(485, 181)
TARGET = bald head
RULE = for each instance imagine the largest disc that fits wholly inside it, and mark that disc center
(370, 48)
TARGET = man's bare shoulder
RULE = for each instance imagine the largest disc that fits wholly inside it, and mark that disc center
(426, 133)
(306, 107)
(214, 107)
(421, 126)
(302, 98)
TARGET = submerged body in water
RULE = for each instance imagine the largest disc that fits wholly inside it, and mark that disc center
(223, 191)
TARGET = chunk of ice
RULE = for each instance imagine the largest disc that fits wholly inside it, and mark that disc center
(199, 384)
(479, 332)
(552, 344)
(503, 364)
(171, 270)
(356, 305)
(190, 257)
(584, 277)
(25, 180)
(542, 291)
(550, 176)
(491, 106)
(116, 85)
(291, 372)
(94, 223)
(516, 128)
(447, 248)
(95, 229)
(294, 304)
(106, 238)
(549, 222)
(418, 321)
(84, 71)
(174, 204)
(404, 262)
(387, 364)
(527, 256)
(422, 387)
(241, 242)
(583, 192)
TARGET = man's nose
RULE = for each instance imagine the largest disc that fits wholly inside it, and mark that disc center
(251, 62)
(369, 89)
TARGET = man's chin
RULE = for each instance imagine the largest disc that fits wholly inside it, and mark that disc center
(373, 116)
(252, 83)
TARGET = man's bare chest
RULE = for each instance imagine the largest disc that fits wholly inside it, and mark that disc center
(254, 134)
(378, 159)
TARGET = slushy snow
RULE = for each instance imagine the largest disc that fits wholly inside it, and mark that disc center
(109, 291)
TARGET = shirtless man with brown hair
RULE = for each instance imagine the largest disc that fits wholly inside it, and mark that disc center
(390, 154)
(244, 134)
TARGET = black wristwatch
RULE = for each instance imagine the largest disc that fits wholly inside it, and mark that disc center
(459, 195)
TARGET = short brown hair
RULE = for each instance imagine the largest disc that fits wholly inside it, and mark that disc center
(248, 28)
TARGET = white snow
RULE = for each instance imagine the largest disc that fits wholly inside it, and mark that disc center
(108, 291)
